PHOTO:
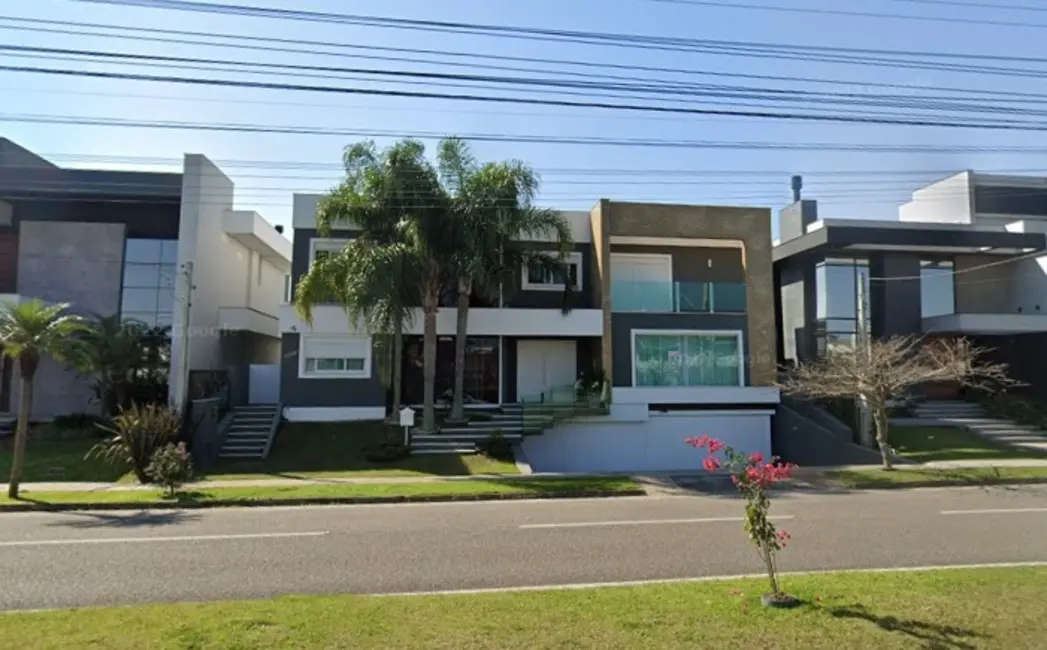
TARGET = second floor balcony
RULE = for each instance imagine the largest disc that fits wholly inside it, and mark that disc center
(678, 297)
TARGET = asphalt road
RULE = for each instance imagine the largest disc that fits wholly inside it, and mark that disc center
(80, 559)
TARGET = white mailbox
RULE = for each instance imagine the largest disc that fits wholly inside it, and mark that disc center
(407, 417)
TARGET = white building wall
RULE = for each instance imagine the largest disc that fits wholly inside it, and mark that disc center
(646, 442)
(224, 273)
(948, 201)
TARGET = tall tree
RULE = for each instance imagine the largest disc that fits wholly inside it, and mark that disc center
(123, 355)
(377, 285)
(394, 202)
(492, 209)
(30, 331)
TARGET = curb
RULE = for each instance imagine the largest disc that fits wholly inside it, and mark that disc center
(932, 484)
(323, 501)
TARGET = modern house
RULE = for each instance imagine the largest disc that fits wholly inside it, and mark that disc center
(168, 249)
(673, 304)
(965, 259)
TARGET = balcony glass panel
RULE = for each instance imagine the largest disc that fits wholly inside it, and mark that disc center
(678, 297)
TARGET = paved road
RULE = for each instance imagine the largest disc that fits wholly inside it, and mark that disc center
(79, 559)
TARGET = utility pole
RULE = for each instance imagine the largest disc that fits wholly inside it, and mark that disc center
(864, 352)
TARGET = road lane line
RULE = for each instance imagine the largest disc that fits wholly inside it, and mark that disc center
(139, 540)
(643, 522)
(994, 511)
(572, 586)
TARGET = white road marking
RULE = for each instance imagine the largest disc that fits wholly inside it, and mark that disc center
(994, 511)
(724, 578)
(139, 540)
(643, 522)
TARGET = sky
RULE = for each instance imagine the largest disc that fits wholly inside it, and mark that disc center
(853, 184)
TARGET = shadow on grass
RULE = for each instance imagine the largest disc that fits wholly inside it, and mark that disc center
(302, 450)
(87, 520)
(932, 636)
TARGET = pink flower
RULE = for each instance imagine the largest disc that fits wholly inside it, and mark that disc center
(756, 458)
(784, 535)
(716, 445)
(699, 442)
(711, 463)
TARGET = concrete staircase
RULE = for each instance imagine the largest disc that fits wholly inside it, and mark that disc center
(251, 431)
(974, 418)
(512, 421)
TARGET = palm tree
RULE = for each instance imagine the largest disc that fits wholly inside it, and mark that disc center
(115, 351)
(30, 331)
(377, 285)
(492, 210)
(394, 201)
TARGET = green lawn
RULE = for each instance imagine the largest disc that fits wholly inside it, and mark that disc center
(522, 487)
(876, 478)
(927, 444)
(51, 458)
(952, 609)
(322, 450)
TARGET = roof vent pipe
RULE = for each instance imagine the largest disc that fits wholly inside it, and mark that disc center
(797, 188)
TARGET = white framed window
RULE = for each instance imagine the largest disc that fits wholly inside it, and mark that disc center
(319, 247)
(335, 357)
(541, 279)
(693, 358)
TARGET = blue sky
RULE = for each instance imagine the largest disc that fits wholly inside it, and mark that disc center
(269, 190)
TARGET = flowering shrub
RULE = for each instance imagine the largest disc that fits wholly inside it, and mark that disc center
(171, 467)
(753, 476)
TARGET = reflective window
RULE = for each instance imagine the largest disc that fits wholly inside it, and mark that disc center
(937, 288)
(687, 360)
(150, 273)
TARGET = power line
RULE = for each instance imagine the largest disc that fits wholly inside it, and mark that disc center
(135, 34)
(722, 112)
(519, 138)
(831, 12)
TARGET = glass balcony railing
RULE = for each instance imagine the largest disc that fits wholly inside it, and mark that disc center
(678, 297)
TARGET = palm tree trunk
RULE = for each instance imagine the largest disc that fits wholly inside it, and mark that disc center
(25, 404)
(398, 368)
(458, 405)
(429, 362)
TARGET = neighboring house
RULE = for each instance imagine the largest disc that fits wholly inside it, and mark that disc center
(163, 248)
(962, 261)
(672, 303)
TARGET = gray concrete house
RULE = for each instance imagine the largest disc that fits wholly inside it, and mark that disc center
(165, 248)
(964, 260)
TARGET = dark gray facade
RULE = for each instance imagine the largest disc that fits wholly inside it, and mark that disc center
(893, 261)
(298, 392)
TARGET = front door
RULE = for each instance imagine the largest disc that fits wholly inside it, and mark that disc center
(544, 365)
(263, 383)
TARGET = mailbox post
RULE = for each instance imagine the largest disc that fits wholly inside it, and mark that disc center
(407, 421)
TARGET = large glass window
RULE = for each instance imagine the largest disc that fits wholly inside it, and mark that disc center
(937, 288)
(687, 359)
(148, 288)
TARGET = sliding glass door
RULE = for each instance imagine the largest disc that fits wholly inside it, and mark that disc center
(687, 359)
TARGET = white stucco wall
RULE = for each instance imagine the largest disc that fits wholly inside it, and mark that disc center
(646, 443)
(225, 273)
(950, 200)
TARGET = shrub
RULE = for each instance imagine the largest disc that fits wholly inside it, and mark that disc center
(170, 467)
(135, 434)
(497, 447)
(389, 450)
(753, 477)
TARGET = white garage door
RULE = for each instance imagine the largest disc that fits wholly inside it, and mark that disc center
(544, 365)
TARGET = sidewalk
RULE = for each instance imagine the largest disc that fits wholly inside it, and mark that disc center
(652, 480)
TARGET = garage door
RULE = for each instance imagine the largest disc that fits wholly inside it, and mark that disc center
(544, 365)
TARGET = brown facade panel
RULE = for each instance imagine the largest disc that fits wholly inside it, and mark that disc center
(8, 262)
(751, 226)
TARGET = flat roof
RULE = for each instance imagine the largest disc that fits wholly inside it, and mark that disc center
(837, 235)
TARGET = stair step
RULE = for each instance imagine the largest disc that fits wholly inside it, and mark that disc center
(453, 439)
(443, 452)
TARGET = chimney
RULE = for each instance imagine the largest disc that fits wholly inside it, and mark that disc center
(797, 188)
(280, 229)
